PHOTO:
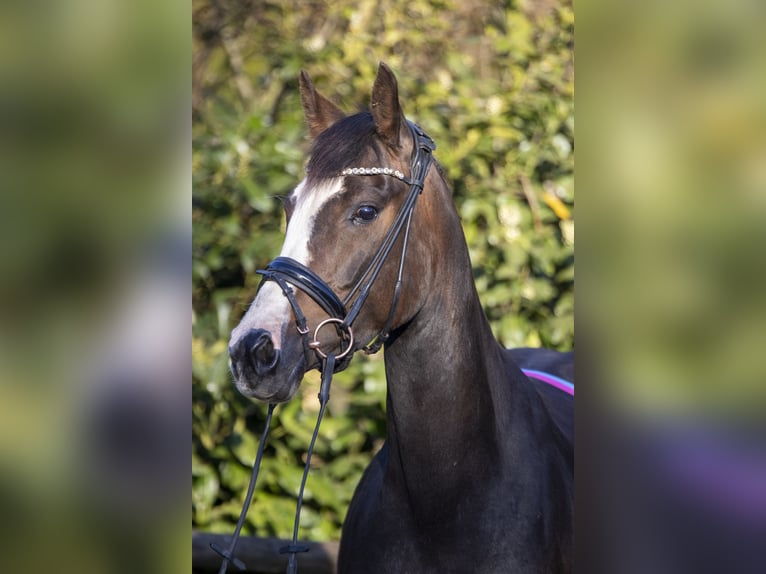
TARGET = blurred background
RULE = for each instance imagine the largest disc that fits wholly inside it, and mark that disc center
(671, 415)
(492, 83)
(95, 239)
(94, 258)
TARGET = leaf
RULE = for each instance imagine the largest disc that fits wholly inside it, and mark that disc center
(205, 488)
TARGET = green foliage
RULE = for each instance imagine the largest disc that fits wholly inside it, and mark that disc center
(492, 83)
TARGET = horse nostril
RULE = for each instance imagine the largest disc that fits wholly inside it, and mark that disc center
(254, 352)
(263, 350)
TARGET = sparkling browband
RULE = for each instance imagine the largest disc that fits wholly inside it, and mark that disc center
(375, 171)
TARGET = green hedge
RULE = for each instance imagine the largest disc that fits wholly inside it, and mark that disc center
(492, 83)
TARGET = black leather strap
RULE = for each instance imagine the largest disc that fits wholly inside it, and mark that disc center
(306, 280)
(286, 270)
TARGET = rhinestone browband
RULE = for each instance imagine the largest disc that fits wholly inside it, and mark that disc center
(375, 171)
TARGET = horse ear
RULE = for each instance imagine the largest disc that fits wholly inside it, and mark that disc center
(320, 112)
(385, 107)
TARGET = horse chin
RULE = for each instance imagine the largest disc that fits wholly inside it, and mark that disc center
(275, 388)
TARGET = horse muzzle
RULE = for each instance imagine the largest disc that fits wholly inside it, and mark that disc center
(258, 369)
(254, 354)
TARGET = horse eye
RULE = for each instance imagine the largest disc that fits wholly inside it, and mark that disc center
(365, 214)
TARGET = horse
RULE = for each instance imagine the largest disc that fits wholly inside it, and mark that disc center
(476, 473)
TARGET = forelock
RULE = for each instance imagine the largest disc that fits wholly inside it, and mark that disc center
(342, 145)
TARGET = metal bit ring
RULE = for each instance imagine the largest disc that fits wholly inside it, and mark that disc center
(317, 345)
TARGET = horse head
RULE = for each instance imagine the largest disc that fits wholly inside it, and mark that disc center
(340, 282)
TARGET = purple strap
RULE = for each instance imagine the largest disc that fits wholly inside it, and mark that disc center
(552, 380)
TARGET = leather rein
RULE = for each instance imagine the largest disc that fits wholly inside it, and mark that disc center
(289, 273)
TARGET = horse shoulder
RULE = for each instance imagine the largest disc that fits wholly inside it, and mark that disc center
(364, 503)
(363, 521)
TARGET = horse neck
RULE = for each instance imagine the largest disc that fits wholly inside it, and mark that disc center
(448, 387)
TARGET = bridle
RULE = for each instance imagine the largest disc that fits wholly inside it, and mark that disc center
(343, 313)
(289, 273)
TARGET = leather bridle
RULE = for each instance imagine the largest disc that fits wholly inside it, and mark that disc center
(288, 273)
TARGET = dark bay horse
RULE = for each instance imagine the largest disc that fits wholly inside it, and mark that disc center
(476, 474)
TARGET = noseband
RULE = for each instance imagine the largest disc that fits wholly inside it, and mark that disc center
(285, 272)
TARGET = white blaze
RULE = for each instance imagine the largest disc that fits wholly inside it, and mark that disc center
(270, 310)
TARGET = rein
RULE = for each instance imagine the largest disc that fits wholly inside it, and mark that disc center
(285, 271)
